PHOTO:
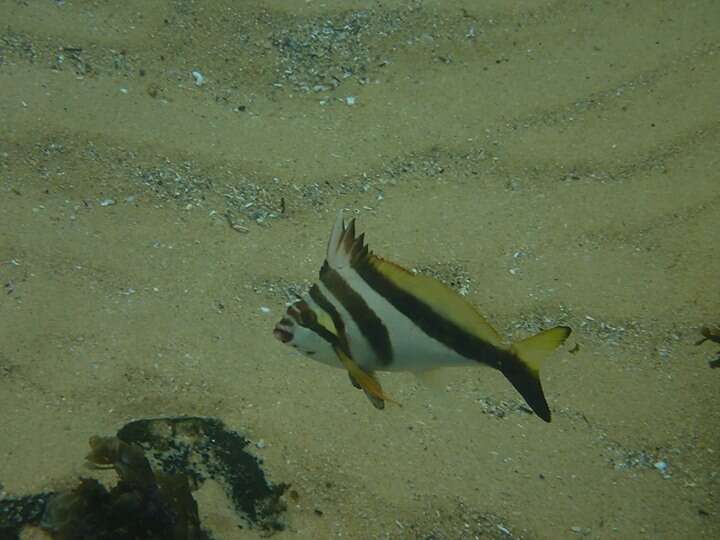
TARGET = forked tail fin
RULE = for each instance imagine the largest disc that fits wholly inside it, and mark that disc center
(523, 371)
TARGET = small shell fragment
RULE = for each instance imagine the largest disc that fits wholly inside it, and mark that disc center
(199, 79)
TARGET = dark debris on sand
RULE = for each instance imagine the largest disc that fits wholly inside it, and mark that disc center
(711, 334)
(158, 463)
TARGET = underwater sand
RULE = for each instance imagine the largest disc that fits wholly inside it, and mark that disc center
(557, 161)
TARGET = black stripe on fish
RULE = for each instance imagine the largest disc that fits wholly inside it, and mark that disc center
(327, 306)
(427, 319)
(306, 317)
(370, 325)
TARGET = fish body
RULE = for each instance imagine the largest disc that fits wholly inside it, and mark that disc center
(367, 314)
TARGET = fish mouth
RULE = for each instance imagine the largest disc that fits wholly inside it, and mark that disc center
(282, 335)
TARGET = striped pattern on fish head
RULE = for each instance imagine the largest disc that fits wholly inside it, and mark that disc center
(309, 329)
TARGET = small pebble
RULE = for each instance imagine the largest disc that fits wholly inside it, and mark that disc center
(106, 202)
(260, 444)
(663, 467)
(199, 79)
(350, 100)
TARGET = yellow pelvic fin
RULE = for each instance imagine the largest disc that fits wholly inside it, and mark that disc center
(533, 350)
(370, 385)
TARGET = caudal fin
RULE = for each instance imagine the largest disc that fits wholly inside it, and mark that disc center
(524, 371)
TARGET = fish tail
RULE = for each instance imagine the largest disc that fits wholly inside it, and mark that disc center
(523, 370)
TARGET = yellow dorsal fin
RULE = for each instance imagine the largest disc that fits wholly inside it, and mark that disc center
(441, 298)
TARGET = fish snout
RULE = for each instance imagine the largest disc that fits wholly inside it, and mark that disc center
(283, 332)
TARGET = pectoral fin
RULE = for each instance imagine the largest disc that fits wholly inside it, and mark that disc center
(366, 381)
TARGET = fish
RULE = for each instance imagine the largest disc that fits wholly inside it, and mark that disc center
(367, 315)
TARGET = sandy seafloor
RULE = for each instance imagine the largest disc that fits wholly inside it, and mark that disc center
(557, 161)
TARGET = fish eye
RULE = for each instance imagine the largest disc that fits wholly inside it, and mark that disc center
(307, 317)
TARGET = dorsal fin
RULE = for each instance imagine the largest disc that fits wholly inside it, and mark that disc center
(344, 248)
(346, 251)
(443, 300)
(336, 256)
(334, 241)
